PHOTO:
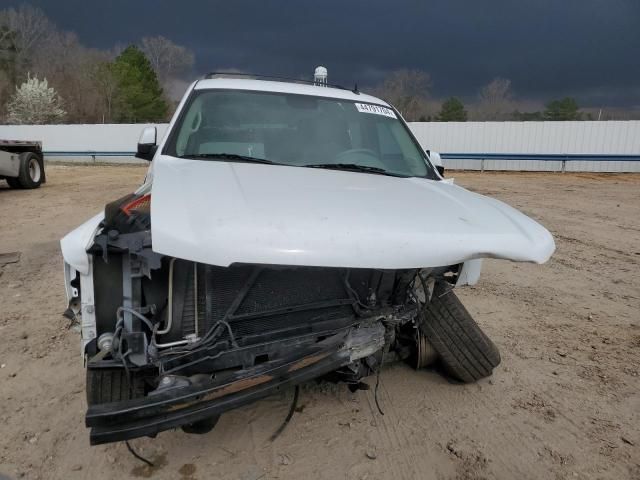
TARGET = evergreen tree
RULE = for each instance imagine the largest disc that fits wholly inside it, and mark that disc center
(565, 109)
(139, 96)
(452, 111)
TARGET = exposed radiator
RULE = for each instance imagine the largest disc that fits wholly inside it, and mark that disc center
(257, 300)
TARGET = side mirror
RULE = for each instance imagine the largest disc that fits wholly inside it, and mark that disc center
(436, 161)
(147, 144)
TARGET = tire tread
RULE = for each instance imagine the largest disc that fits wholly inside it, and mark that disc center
(464, 349)
(110, 385)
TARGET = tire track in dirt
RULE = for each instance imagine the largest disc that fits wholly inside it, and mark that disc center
(387, 443)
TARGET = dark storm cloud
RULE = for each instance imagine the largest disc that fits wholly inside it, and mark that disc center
(548, 48)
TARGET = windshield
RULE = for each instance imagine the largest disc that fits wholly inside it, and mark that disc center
(296, 130)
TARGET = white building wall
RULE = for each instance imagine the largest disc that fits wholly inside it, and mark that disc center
(611, 137)
(534, 138)
(117, 142)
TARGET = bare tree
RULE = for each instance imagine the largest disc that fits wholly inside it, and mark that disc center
(7, 66)
(6, 85)
(107, 86)
(29, 28)
(408, 91)
(72, 74)
(496, 101)
(167, 59)
(6, 35)
(22, 31)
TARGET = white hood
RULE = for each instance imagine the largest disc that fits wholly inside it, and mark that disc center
(221, 213)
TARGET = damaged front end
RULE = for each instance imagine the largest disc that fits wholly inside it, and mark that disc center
(174, 343)
(317, 242)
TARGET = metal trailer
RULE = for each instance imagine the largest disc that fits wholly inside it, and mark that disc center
(21, 163)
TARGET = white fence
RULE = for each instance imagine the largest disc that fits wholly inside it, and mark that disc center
(612, 146)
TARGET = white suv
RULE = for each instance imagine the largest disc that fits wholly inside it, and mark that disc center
(284, 232)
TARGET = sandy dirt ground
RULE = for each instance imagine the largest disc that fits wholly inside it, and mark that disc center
(564, 403)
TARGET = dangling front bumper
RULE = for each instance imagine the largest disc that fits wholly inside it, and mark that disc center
(111, 422)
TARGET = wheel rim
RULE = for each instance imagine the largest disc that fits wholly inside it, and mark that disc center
(425, 353)
(34, 170)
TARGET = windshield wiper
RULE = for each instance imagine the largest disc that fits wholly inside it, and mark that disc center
(352, 167)
(228, 156)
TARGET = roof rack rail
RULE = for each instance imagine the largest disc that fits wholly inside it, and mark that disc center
(270, 77)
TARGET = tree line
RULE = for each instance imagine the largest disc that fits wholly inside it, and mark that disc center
(453, 110)
(48, 76)
(408, 91)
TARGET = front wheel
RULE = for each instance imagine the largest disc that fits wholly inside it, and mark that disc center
(464, 350)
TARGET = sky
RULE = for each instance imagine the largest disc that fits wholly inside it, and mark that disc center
(588, 49)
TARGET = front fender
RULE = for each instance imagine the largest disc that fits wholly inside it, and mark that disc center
(74, 245)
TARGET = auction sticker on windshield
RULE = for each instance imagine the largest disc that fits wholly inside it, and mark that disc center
(375, 109)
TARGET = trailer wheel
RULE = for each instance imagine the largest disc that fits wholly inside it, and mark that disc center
(465, 351)
(31, 170)
(13, 182)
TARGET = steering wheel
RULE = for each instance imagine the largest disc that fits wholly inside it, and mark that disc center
(342, 156)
